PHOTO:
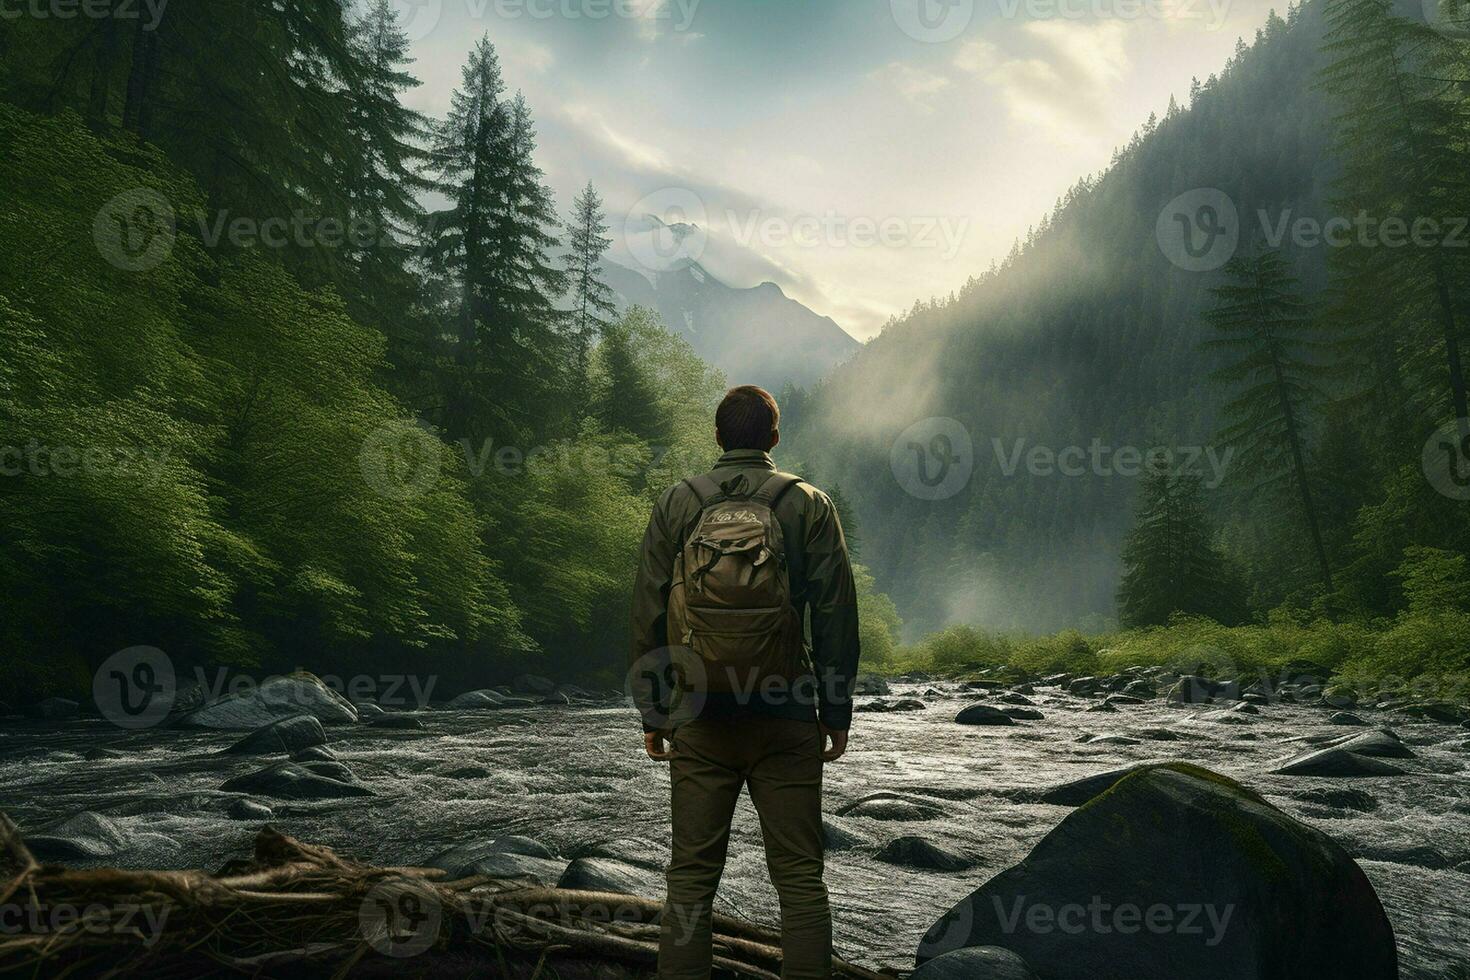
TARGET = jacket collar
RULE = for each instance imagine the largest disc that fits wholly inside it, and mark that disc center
(746, 459)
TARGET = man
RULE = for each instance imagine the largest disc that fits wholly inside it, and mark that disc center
(774, 736)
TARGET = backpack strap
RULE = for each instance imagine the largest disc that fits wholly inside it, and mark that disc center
(773, 488)
(705, 489)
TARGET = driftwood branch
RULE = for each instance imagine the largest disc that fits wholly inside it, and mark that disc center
(298, 905)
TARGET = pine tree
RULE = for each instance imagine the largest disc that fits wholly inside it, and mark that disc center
(1401, 127)
(592, 303)
(1171, 564)
(627, 398)
(1268, 335)
(492, 248)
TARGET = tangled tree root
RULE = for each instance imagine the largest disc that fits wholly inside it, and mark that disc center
(299, 909)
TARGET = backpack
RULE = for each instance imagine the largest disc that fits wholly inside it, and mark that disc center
(730, 599)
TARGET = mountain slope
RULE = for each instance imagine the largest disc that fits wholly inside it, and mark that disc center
(1087, 333)
(756, 336)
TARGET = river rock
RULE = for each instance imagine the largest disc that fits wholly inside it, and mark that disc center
(1335, 762)
(401, 721)
(975, 963)
(245, 809)
(368, 710)
(532, 685)
(1414, 855)
(1381, 743)
(983, 714)
(488, 699)
(1339, 799)
(56, 709)
(870, 684)
(596, 874)
(81, 836)
(102, 752)
(1345, 718)
(841, 836)
(314, 753)
(1110, 740)
(1011, 697)
(299, 781)
(509, 857)
(887, 806)
(1079, 791)
(288, 736)
(1141, 688)
(1193, 689)
(1280, 900)
(1102, 706)
(917, 852)
(277, 699)
(1023, 714)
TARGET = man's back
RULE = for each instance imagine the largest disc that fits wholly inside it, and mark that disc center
(820, 581)
(768, 738)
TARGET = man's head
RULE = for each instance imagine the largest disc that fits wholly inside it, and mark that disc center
(748, 418)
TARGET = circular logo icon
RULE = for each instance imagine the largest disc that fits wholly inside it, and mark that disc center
(417, 18)
(136, 687)
(1199, 230)
(135, 231)
(401, 460)
(400, 917)
(1449, 17)
(667, 229)
(1446, 459)
(668, 686)
(933, 458)
(933, 21)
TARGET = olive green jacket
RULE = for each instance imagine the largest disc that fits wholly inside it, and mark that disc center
(821, 585)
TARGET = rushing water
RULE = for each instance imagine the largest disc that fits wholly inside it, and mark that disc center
(575, 777)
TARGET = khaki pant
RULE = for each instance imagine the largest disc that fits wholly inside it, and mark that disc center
(781, 761)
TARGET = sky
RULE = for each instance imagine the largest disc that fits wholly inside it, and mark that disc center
(861, 154)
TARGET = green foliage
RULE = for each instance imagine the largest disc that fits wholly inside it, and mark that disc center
(1170, 560)
(193, 439)
(1434, 581)
(878, 622)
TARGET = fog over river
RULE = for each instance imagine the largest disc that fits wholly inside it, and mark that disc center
(575, 778)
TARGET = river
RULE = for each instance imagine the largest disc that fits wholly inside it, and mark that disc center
(574, 777)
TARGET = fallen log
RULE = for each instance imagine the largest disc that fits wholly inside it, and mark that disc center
(298, 909)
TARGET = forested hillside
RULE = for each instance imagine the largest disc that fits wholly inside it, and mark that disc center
(259, 407)
(1092, 335)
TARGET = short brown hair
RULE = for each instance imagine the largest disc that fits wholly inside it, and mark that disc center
(747, 418)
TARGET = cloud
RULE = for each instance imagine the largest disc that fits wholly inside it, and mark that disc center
(914, 84)
(1057, 75)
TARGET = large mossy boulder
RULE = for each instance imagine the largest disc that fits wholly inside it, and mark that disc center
(1177, 872)
(275, 699)
(288, 736)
